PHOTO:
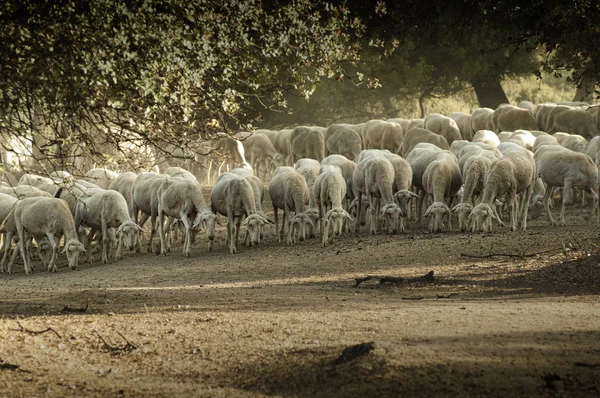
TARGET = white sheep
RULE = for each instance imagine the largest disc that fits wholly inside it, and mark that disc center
(374, 178)
(104, 210)
(310, 169)
(262, 155)
(512, 175)
(183, 199)
(481, 119)
(441, 180)
(542, 140)
(329, 192)
(463, 121)
(123, 184)
(380, 134)
(487, 137)
(511, 118)
(307, 142)
(50, 217)
(420, 135)
(344, 141)
(567, 169)
(145, 199)
(476, 169)
(444, 126)
(233, 197)
(289, 191)
(24, 191)
(101, 177)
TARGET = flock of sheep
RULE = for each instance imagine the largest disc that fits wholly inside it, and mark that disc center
(327, 181)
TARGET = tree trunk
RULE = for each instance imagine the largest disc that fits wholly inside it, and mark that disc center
(585, 89)
(490, 93)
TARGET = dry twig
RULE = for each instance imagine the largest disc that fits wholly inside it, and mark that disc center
(396, 279)
(12, 366)
(129, 346)
(35, 332)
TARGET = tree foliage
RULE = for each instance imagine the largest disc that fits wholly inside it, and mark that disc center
(85, 76)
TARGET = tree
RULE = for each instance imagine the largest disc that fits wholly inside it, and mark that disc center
(84, 77)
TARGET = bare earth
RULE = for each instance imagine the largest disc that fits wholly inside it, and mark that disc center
(275, 319)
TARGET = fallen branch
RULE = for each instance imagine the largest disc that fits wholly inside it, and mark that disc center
(522, 255)
(12, 366)
(428, 278)
(413, 298)
(445, 295)
(35, 332)
(587, 365)
(353, 352)
(129, 346)
(78, 309)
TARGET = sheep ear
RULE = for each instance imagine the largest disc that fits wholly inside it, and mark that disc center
(427, 212)
(470, 216)
(455, 207)
(347, 215)
(218, 221)
(414, 195)
(447, 209)
(245, 222)
(491, 213)
(353, 203)
(140, 229)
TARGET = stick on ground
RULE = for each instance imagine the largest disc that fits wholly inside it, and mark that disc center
(35, 332)
(427, 278)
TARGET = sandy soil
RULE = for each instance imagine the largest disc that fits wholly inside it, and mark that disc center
(275, 320)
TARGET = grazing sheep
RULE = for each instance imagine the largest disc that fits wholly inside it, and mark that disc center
(329, 192)
(544, 140)
(511, 175)
(486, 137)
(567, 169)
(310, 169)
(283, 145)
(262, 154)
(258, 190)
(571, 120)
(101, 177)
(593, 150)
(233, 197)
(289, 191)
(476, 169)
(511, 118)
(477, 149)
(441, 180)
(103, 210)
(420, 135)
(384, 135)
(481, 119)
(123, 184)
(50, 217)
(179, 172)
(419, 158)
(463, 121)
(575, 143)
(183, 199)
(374, 178)
(402, 184)
(444, 126)
(9, 232)
(49, 185)
(307, 143)
(343, 141)
(24, 191)
(145, 199)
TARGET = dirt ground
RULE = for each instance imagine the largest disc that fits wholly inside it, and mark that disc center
(520, 320)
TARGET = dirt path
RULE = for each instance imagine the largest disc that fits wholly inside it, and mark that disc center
(273, 319)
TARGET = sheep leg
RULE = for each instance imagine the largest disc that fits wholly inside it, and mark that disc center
(54, 244)
(525, 205)
(161, 232)
(7, 245)
(275, 216)
(16, 251)
(358, 210)
(419, 208)
(187, 244)
(105, 241)
(238, 223)
(21, 232)
(568, 188)
(546, 202)
(152, 232)
(230, 231)
(119, 246)
(373, 213)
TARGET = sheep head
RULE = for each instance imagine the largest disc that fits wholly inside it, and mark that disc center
(129, 231)
(335, 218)
(254, 224)
(481, 218)
(313, 214)
(362, 217)
(297, 228)
(403, 198)
(73, 248)
(437, 211)
(390, 214)
(206, 220)
(463, 210)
